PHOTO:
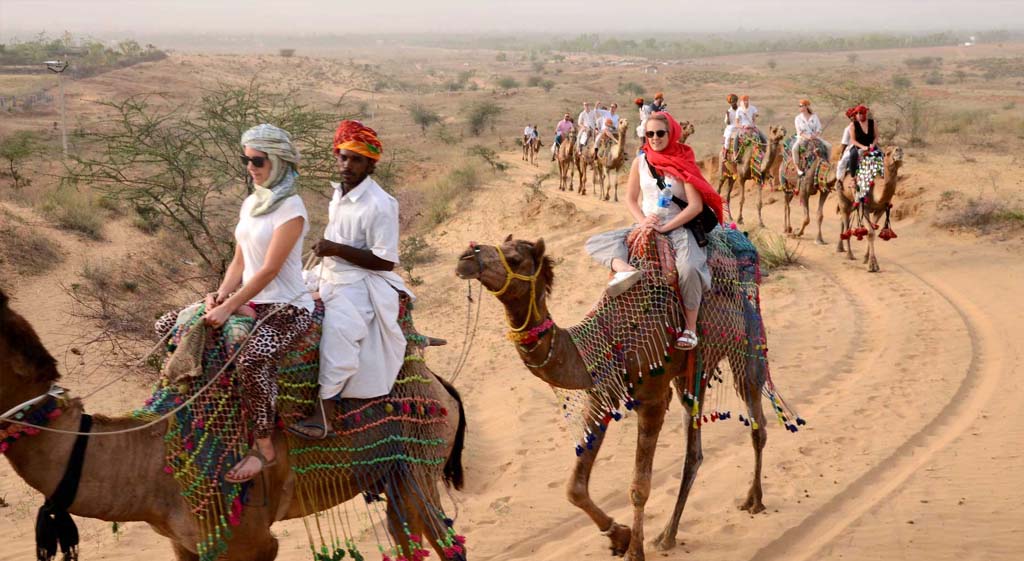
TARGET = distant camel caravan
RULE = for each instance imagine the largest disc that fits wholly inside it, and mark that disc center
(530, 149)
(566, 157)
(125, 477)
(622, 355)
(753, 162)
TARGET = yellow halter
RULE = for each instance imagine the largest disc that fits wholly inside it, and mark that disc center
(533, 311)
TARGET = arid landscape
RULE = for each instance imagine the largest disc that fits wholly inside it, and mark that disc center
(910, 379)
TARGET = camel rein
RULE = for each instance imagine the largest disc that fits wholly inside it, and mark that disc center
(534, 310)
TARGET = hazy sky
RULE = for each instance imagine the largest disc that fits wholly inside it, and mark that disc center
(281, 17)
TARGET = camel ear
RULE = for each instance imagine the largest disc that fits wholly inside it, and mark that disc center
(538, 249)
(509, 238)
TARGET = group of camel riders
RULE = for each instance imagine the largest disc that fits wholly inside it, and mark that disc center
(363, 346)
(663, 161)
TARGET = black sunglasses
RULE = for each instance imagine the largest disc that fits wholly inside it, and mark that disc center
(257, 161)
(659, 133)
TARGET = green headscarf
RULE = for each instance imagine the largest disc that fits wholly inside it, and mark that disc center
(284, 160)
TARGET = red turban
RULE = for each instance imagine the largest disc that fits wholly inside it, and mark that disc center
(639, 101)
(860, 109)
(359, 138)
(731, 98)
(744, 98)
(677, 160)
(851, 112)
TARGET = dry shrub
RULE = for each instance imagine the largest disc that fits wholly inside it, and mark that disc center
(981, 214)
(452, 188)
(26, 250)
(74, 210)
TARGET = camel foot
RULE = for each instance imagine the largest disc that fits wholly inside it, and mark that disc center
(787, 231)
(760, 224)
(752, 505)
(820, 241)
(619, 537)
(635, 556)
(873, 267)
(740, 220)
(665, 542)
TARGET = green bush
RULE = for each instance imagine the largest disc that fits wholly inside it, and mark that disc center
(482, 115)
(631, 88)
(75, 211)
(423, 116)
(507, 83)
(533, 81)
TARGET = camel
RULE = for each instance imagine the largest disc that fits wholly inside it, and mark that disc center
(566, 156)
(871, 208)
(583, 155)
(745, 169)
(123, 477)
(530, 150)
(611, 161)
(520, 275)
(818, 179)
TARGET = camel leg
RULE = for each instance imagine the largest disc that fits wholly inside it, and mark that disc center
(787, 227)
(666, 540)
(873, 260)
(759, 437)
(760, 203)
(805, 202)
(743, 197)
(578, 492)
(822, 195)
(181, 553)
(410, 508)
(650, 418)
(843, 217)
(617, 185)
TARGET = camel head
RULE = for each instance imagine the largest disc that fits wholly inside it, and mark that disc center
(687, 127)
(776, 134)
(26, 368)
(623, 127)
(524, 259)
(893, 157)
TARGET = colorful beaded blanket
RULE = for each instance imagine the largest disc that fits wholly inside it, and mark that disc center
(641, 324)
(748, 139)
(388, 451)
(872, 167)
(814, 160)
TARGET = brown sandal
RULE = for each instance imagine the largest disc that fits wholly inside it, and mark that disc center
(253, 452)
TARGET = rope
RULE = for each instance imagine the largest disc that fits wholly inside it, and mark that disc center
(470, 333)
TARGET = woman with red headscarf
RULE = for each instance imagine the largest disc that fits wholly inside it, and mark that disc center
(664, 162)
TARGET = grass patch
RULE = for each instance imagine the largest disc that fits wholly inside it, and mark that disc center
(982, 215)
(774, 251)
(75, 211)
(26, 250)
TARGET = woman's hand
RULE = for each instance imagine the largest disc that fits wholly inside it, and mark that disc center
(214, 299)
(217, 316)
(650, 221)
(662, 228)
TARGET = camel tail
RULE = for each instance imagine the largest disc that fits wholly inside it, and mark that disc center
(454, 476)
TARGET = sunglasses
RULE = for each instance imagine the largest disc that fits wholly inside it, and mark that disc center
(659, 133)
(257, 161)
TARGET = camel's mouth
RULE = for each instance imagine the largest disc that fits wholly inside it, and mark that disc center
(468, 267)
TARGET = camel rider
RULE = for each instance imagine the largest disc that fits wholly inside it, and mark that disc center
(645, 112)
(563, 128)
(746, 118)
(609, 134)
(730, 123)
(613, 114)
(527, 133)
(808, 127)
(658, 105)
(602, 113)
(362, 346)
(587, 122)
(862, 138)
(844, 160)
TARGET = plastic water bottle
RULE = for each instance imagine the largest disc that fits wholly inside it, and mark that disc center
(664, 200)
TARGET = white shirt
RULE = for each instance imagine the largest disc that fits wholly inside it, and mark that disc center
(587, 119)
(650, 191)
(365, 218)
(807, 126)
(253, 234)
(745, 116)
(528, 130)
(846, 136)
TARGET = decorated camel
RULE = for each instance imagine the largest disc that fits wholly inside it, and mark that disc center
(622, 357)
(818, 179)
(583, 156)
(566, 157)
(861, 194)
(132, 468)
(752, 162)
(611, 159)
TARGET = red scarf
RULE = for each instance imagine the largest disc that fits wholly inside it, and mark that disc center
(678, 161)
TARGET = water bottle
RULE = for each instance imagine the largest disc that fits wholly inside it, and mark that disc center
(664, 200)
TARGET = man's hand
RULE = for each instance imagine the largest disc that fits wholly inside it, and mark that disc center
(324, 248)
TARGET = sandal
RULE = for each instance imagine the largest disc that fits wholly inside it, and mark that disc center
(322, 427)
(687, 341)
(253, 452)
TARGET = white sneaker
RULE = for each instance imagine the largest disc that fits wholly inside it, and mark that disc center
(621, 282)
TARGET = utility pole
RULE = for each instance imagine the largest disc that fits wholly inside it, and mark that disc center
(58, 67)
